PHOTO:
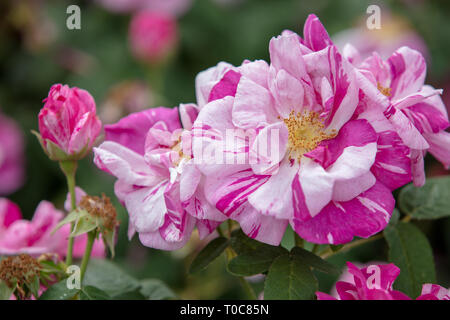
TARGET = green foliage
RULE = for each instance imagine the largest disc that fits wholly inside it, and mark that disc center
(256, 261)
(314, 261)
(59, 291)
(208, 254)
(432, 201)
(410, 250)
(93, 293)
(5, 291)
(106, 276)
(290, 279)
(155, 289)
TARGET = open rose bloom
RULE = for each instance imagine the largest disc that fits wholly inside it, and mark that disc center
(309, 139)
(375, 282)
(157, 181)
(326, 181)
(415, 110)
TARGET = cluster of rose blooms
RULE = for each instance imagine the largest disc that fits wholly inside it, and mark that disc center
(350, 131)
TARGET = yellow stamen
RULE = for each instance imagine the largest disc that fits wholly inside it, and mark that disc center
(179, 149)
(383, 90)
(306, 131)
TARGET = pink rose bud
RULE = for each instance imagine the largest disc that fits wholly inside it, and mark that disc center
(68, 123)
(153, 36)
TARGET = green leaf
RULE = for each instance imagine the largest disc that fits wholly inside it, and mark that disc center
(71, 217)
(5, 291)
(432, 201)
(59, 291)
(208, 254)
(84, 224)
(34, 286)
(394, 218)
(314, 261)
(242, 244)
(155, 289)
(289, 279)
(105, 275)
(410, 250)
(93, 293)
(255, 261)
(109, 238)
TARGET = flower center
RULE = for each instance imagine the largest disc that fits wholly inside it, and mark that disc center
(180, 155)
(383, 90)
(306, 131)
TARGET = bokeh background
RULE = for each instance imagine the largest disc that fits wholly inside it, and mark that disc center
(37, 50)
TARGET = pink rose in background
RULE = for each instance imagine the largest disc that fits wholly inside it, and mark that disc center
(375, 282)
(12, 156)
(34, 237)
(68, 123)
(153, 36)
(321, 182)
(172, 7)
(415, 110)
(395, 32)
(149, 154)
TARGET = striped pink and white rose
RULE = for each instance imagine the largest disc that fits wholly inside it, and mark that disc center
(414, 109)
(321, 179)
(149, 153)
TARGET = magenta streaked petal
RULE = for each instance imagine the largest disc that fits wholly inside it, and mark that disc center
(312, 190)
(315, 35)
(392, 165)
(440, 146)
(188, 114)
(131, 131)
(339, 222)
(324, 296)
(124, 164)
(261, 227)
(409, 134)
(206, 80)
(253, 105)
(226, 86)
(9, 212)
(408, 70)
(274, 197)
(434, 292)
(417, 167)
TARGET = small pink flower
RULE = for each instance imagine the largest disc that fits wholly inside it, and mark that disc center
(11, 156)
(415, 110)
(172, 7)
(34, 237)
(153, 36)
(68, 123)
(375, 282)
(157, 182)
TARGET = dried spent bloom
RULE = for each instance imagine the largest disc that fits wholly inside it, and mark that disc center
(100, 208)
(20, 273)
(93, 214)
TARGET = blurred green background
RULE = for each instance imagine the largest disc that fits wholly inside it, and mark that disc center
(37, 50)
